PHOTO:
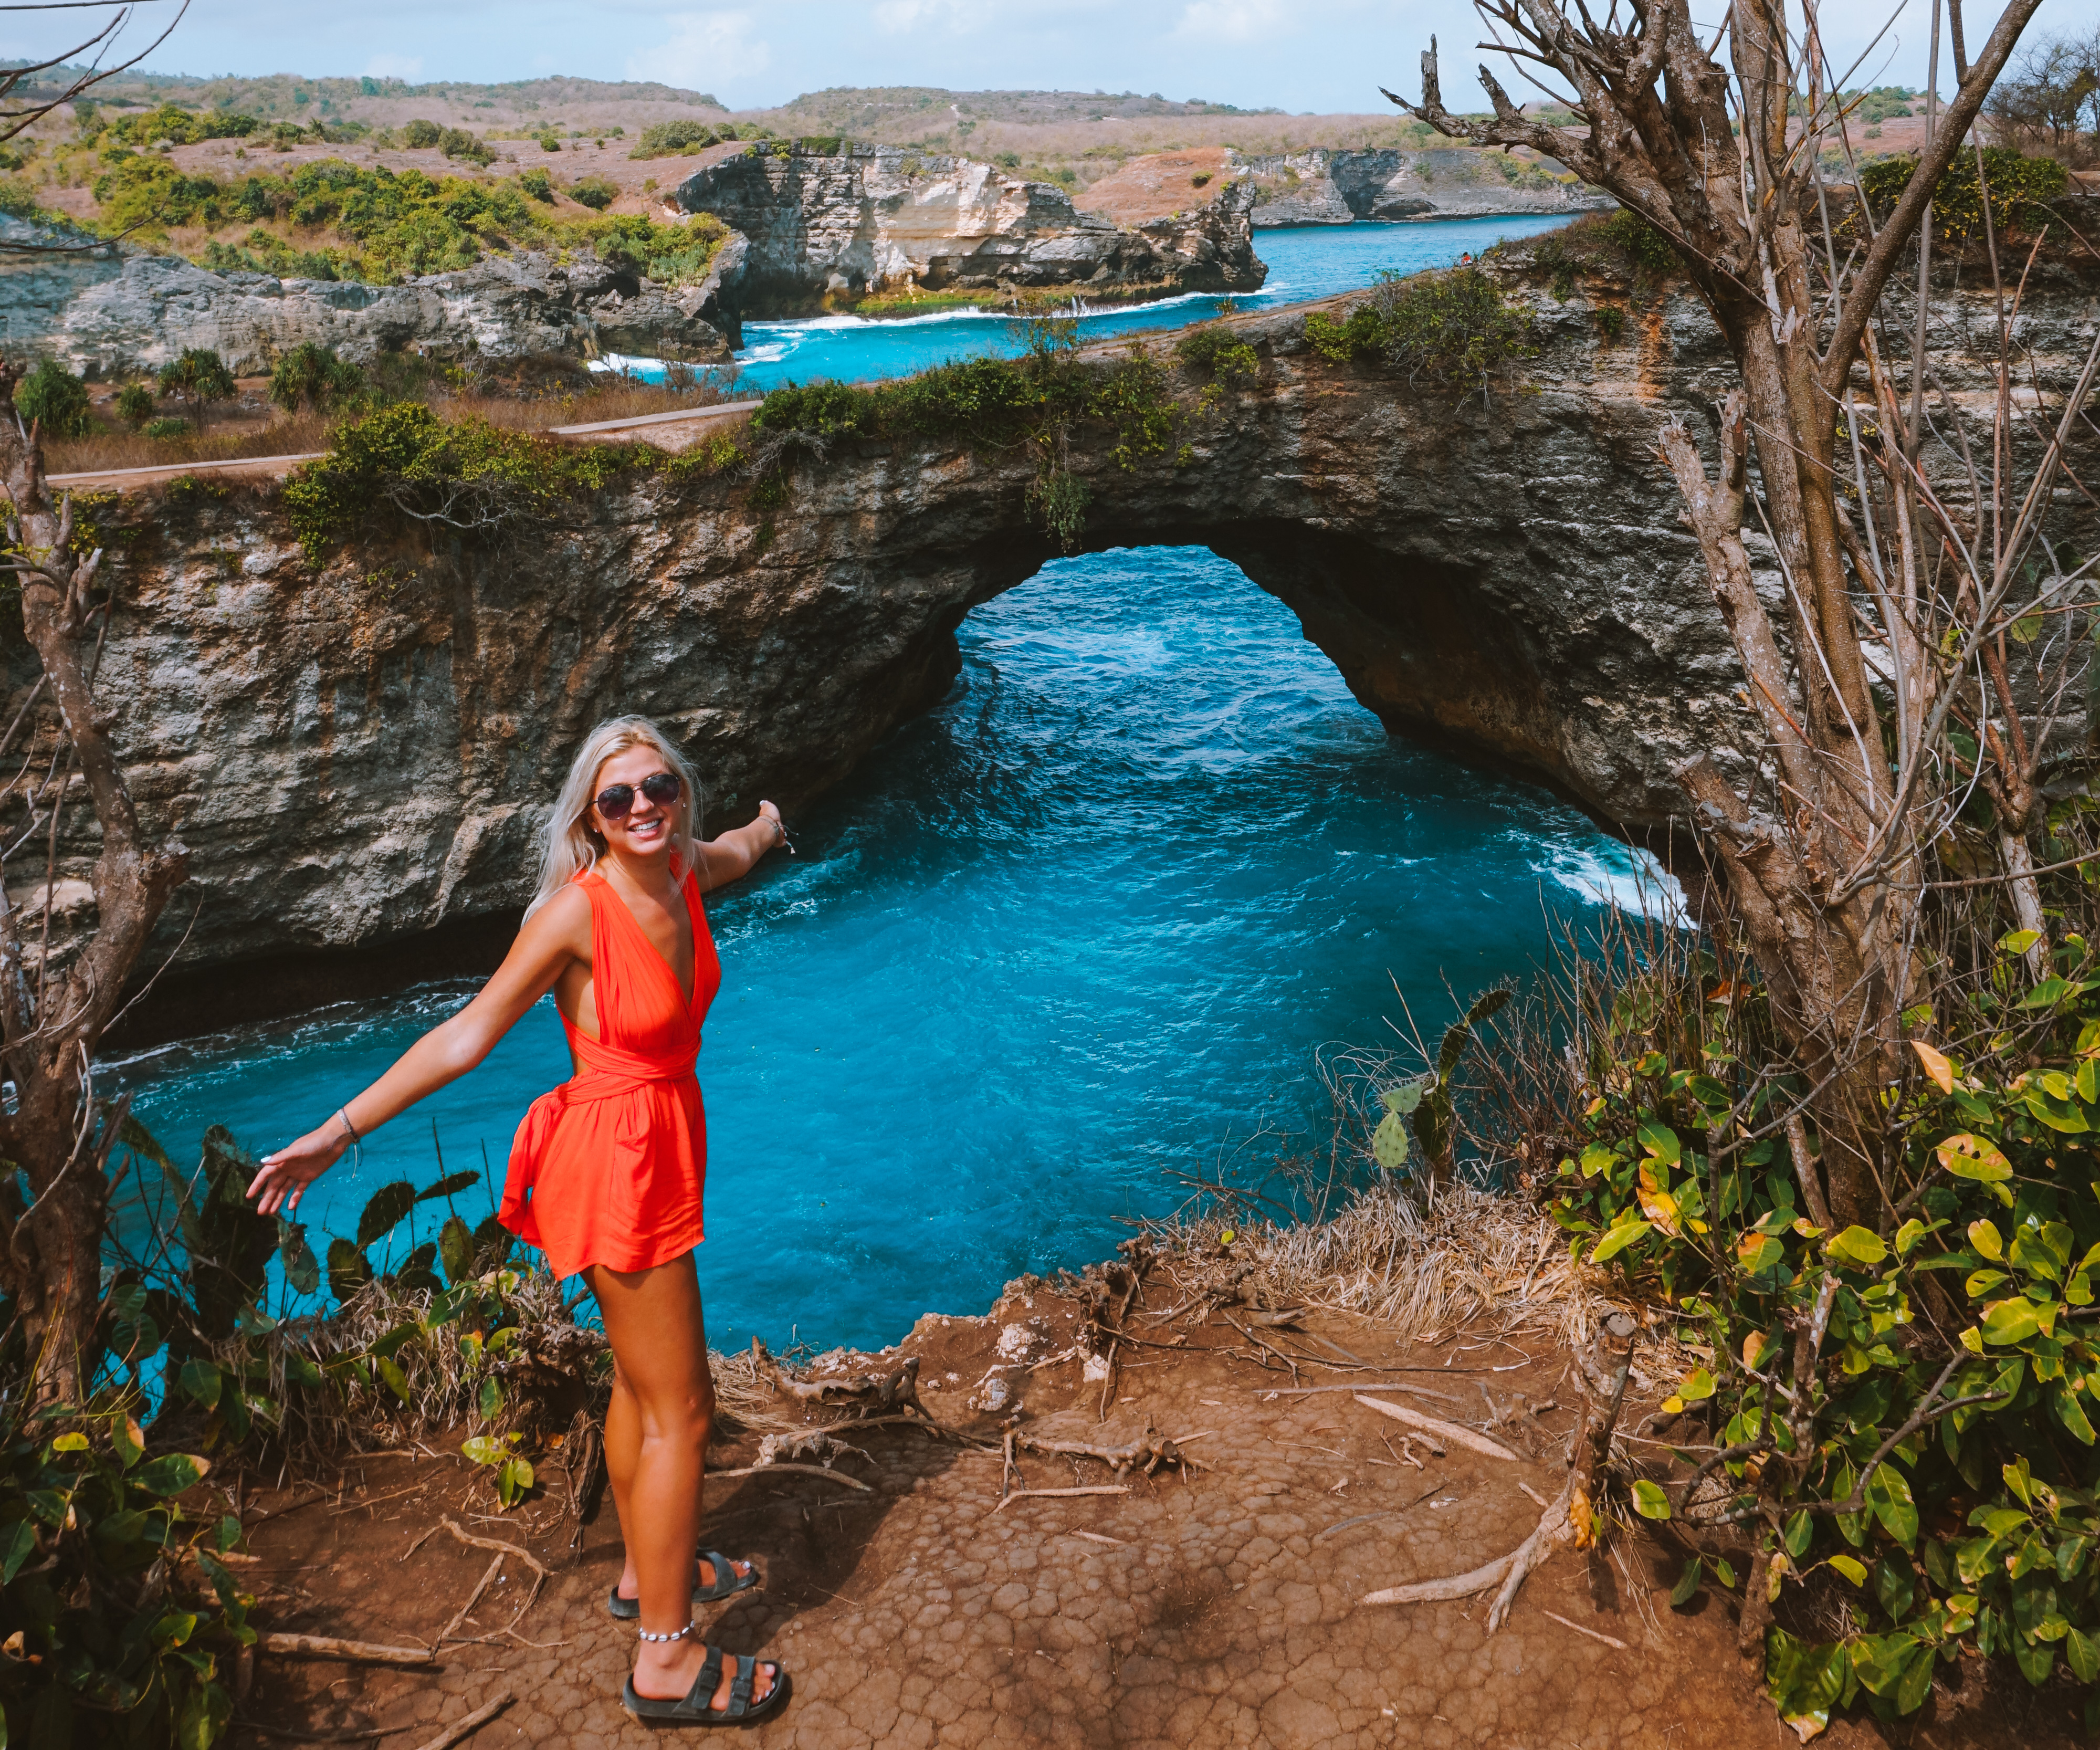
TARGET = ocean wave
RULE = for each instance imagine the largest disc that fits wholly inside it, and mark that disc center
(1620, 876)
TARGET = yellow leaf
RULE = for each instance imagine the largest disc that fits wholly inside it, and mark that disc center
(1974, 1157)
(1671, 1405)
(1753, 1346)
(1853, 1571)
(1580, 1517)
(1936, 1065)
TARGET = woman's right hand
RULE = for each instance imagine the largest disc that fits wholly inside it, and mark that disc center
(286, 1174)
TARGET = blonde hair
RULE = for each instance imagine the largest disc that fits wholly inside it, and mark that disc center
(572, 845)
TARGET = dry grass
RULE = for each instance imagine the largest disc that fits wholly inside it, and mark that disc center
(533, 402)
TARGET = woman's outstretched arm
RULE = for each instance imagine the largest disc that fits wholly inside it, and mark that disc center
(733, 856)
(557, 934)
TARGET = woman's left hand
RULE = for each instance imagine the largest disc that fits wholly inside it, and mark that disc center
(286, 1174)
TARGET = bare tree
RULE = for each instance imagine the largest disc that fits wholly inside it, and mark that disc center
(1894, 621)
(25, 100)
(57, 999)
(2045, 94)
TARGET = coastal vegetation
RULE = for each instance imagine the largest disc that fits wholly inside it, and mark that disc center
(1838, 1143)
(1454, 330)
(328, 219)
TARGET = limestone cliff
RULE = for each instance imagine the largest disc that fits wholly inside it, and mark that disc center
(108, 313)
(360, 754)
(1340, 188)
(859, 219)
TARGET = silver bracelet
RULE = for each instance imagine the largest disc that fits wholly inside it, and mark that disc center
(355, 1138)
(677, 1634)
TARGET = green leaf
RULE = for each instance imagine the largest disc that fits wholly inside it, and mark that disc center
(455, 1246)
(1974, 1157)
(300, 1270)
(18, 1542)
(200, 1380)
(2012, 1321)
(1889, 1498)
(1799, 1534)
(206, 1711)
(1856, 1245)
(348, 1269)
(1404, 1098)
(485, 1449)
(446, 1186)
(2047, 994)
(513, 1477)
(1985, 1237)
(1649, 1500)
(1907, 1236)
(491, 1399)
(1618, 1240)
(1661, 1141)
(1851, 1568)
(169, 1475)
(1696, 1387)
(1687, 1584)
(2083, 1657)
(1388, 1143)
(390, 1370)
(2070, 1412)
(2018, 941)
(383, 1214)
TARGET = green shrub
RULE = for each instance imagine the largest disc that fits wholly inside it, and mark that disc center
(469, 472)
(167, 428)
(2021, 189)
(550, 143)
(181, 127)
(134, 404)
(667, 140)
(51, 395)
(456, 143)
(419, 134)
(1899, 1418)
(1452, 329)
(538, 184)
(595, 193)
(18, 199)
(199, 377)
(1217, 349)
(1645, 248)
(312, 375)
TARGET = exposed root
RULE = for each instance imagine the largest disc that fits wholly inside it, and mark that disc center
(874, 1394)
(1569, 1521)
(1145, 1454)
(447, 1523)
(1098, 1488)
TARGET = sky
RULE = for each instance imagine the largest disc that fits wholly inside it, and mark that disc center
(1293, 54)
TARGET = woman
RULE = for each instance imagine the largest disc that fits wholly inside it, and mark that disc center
(605, 1172)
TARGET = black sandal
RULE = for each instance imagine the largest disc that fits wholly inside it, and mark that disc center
(727, 1583)
(698, 1708)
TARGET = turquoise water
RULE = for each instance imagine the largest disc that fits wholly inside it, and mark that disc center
(1304, 261)
(1081, 929)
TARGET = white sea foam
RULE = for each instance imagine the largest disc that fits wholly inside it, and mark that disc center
(1620, 875)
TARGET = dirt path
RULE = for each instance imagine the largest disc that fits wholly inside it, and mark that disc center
(1220, 1609)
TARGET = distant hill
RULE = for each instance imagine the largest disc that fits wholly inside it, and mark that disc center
(589, 105)
(864, 110)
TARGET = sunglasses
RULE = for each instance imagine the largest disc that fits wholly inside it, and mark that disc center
(662, 787)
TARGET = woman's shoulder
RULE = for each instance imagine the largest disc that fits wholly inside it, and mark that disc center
(568, 913)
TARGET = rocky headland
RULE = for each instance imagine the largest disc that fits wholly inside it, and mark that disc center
(103, 313)
(838, 219)
(1321, 186)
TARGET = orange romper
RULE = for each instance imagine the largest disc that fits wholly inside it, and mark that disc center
(608, 1168)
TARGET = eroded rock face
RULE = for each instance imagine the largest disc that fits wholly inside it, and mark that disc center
(108, 314)
(363, 752)
(1338, 188)
(874, 218)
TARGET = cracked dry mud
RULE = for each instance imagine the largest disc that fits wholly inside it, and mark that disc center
(1217, 1610)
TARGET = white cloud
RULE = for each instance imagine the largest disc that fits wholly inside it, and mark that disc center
(1237, 21)
(394, 66)
(706, 50)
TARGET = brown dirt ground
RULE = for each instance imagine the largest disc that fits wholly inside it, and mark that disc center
(1215, 1609)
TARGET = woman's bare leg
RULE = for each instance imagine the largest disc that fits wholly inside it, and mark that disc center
(659, 1348)
(622, 1452)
